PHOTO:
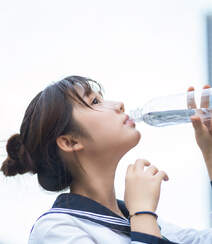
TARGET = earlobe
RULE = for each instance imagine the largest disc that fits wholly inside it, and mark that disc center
(68, 143)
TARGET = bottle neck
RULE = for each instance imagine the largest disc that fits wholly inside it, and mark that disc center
(136, 115)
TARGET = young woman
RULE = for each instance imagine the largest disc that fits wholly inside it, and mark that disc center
(72, 138)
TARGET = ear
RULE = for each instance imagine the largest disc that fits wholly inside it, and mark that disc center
(68, 144)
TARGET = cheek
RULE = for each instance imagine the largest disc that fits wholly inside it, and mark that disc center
(103, 129)
(110, 132)
(103, 126)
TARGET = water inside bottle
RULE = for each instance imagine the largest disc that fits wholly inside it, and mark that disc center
(173, 117)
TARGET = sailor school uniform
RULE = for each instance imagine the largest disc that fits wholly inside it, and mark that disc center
(75, 219)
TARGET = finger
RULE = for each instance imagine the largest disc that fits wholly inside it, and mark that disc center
(129, 171)
(161, 175)
(206, 104)
(197, 123)
(206, 86)
(199, 126)
(191, 88)
(205, 97)
(129, 168)
(152, 170)
(190, 98)
(141, 163)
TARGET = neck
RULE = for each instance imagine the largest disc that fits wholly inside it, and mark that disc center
(97, 183)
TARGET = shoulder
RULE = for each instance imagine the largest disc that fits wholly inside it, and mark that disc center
(54, 225)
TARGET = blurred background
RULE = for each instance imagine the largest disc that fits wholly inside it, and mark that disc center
(138, 50)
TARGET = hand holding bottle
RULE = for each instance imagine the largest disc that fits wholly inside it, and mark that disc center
(203, 129)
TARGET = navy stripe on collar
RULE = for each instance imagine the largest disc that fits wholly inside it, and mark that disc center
(86, 208)
(79, 202)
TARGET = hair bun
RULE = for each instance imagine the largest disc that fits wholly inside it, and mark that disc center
(19, 160)
(14, 145)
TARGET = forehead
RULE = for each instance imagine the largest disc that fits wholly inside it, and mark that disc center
(85, 90)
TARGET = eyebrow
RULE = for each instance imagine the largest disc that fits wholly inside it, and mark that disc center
(86, 94)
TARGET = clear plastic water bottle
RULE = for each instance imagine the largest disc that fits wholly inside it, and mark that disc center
(175, 109)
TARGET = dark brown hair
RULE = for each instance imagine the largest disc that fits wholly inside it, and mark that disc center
(48, 116)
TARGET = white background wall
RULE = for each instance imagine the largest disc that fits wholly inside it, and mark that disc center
(137, 49)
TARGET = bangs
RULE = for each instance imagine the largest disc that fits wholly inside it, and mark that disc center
(68, 86)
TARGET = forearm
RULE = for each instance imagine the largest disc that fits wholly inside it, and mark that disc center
(146, 224)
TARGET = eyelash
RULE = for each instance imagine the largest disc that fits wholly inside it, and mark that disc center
(95, 99)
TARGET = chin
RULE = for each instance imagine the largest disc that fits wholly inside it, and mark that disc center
(137, 137)
(134, 140)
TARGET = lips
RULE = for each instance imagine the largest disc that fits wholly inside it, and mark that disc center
(128, 120)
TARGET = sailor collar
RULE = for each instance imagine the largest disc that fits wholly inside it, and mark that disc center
(86, 208)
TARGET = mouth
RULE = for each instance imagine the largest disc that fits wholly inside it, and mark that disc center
(129, 121)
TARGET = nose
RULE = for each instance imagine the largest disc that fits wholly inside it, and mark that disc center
(119, 107)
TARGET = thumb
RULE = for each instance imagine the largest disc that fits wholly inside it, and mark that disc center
(197, 123)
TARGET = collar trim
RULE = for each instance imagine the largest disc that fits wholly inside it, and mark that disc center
(86, 208)
(99, 217)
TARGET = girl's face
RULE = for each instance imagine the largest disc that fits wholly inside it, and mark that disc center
(107, 125)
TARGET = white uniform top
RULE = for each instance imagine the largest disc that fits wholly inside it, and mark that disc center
(75, 219)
